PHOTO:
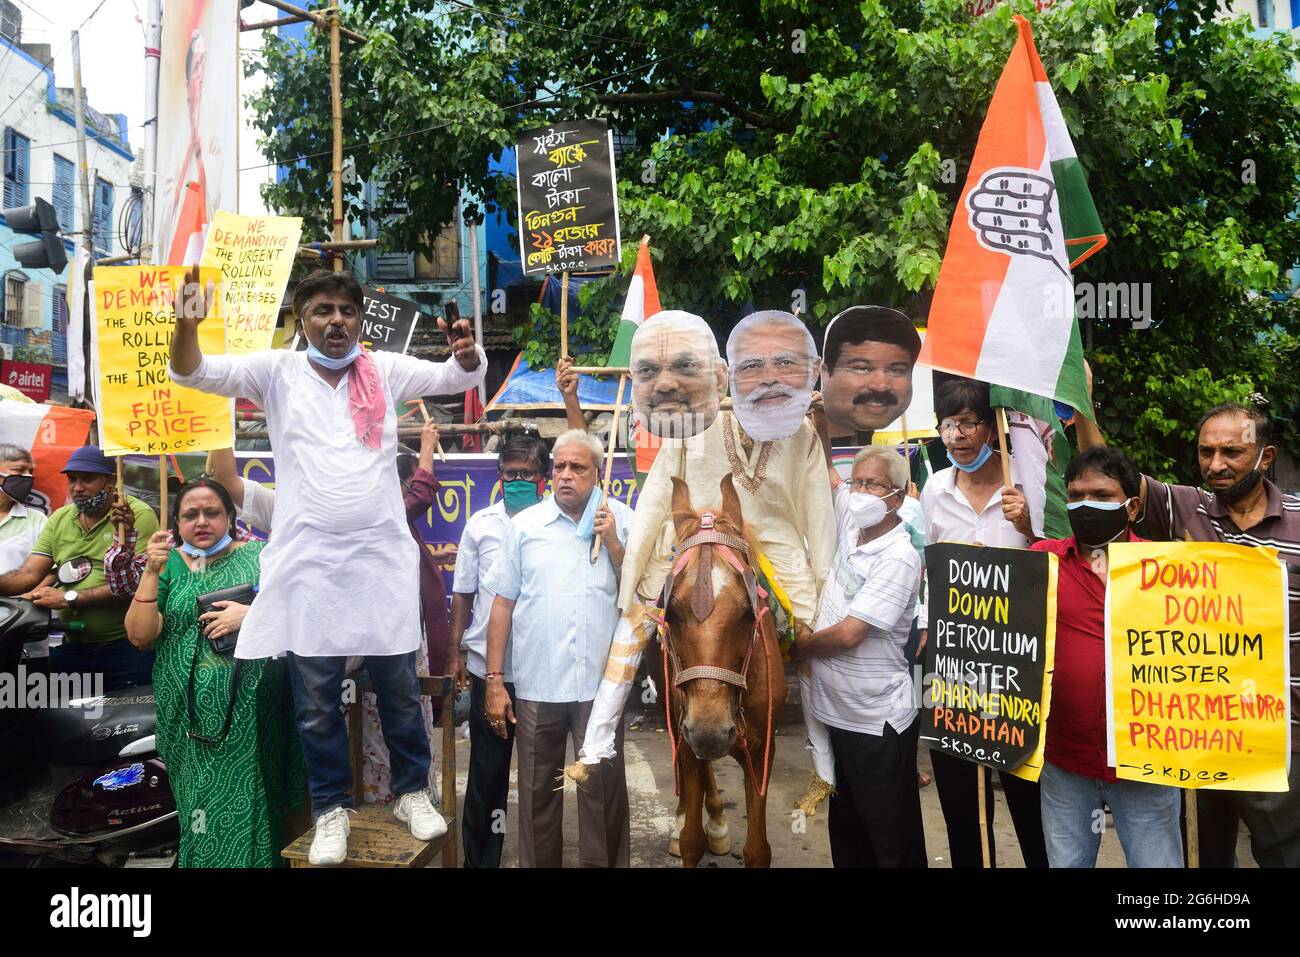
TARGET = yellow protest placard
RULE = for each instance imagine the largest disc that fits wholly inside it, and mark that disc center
(140, 408)
(254, 254)
(1197, 665)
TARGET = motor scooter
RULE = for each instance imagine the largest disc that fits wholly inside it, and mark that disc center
(100, 795)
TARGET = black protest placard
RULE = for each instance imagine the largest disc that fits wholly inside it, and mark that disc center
(988, 661)
(568, 201)
(387, 323)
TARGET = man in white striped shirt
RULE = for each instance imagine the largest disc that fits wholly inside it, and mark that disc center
(860, 683)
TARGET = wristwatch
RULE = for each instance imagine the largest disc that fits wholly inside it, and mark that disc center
(70, 596)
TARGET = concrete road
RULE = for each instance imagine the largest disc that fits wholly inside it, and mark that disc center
(796, 841)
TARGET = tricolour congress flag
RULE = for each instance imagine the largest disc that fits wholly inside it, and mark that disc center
(642, 301)
(1003, 309)
(52, 433)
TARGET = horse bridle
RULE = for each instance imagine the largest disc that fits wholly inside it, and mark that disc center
(702, 598)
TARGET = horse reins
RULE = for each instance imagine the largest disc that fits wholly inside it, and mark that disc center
(702, 603)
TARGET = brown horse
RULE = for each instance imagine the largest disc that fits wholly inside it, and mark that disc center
(725, 681)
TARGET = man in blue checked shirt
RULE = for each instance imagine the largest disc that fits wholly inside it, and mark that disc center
(557, 611)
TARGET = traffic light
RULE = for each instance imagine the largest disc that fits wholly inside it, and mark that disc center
(41, 220)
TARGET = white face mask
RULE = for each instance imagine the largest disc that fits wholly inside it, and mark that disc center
(867, 510)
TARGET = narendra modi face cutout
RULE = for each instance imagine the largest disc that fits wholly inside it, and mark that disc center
(773, 364)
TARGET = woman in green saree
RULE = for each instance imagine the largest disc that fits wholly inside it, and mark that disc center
(225, 727)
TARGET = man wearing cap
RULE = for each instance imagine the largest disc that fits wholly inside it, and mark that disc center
(72, 546)
(869, 354)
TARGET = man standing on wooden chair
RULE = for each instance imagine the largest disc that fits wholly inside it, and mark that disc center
(340, 575)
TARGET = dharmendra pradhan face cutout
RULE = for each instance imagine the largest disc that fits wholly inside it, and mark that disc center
(773, 363)
(678, 377)
(869, 353)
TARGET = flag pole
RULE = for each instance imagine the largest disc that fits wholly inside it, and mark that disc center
(1004, 445)
(609, 459)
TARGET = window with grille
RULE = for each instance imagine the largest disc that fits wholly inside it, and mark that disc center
(64, 191)
(16, 166)
(15, 294)
(103, 218)
(444, 263)
(59, 314)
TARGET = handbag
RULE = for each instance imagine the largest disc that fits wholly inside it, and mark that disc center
(244, 595)
(240, 594)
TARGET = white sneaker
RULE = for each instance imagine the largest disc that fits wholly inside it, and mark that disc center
(330, 845)
(418, 811)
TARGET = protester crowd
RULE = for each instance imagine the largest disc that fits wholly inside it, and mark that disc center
(341, 583)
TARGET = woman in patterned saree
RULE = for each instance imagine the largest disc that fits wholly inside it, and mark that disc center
(225, 727)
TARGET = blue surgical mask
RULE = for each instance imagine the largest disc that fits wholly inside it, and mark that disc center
(320, 358)
(587, 525)
(195, 552)
(981, 457)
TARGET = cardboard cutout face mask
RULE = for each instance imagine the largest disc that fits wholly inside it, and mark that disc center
(772, 361)
(869, 353)
(678, 378)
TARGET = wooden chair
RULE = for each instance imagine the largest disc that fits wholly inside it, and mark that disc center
(377, 838)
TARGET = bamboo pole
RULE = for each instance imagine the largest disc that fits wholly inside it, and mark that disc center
(163, 502)
(318, 18)
(564, 315)
(602, 370)
(609, 460)
(984, 815)
(1004, 444)
(121, 497)
(1193, 828)
(336, 108)
(424, 411)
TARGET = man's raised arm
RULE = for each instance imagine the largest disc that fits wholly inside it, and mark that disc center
(247, 376)
(191, 306)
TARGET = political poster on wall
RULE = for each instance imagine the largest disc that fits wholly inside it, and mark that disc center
(988, 664)
(255, 255)
(568, 198)
(198, 126)
(1197, 665)
(140, 408)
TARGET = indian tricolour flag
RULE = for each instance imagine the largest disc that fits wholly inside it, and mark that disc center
(1003, 309)
(641, 303)
(52, 433)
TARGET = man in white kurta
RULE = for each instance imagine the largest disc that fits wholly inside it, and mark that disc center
(340, 575)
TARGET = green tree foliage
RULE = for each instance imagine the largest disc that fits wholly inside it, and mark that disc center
(795, 149)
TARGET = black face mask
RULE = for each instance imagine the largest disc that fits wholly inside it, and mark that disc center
(1094, 526)
(1239, 489)
(17, 487)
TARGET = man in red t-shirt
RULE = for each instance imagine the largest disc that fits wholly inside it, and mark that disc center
(1103, 488)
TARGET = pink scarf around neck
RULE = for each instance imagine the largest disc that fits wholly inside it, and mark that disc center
(366, 401)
